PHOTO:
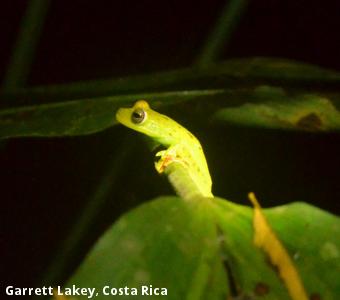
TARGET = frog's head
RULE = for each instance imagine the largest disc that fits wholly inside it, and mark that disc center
(134, 116)
(138, 117)
(142, 118)
(160, 128)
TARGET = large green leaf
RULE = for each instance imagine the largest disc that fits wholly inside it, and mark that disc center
(86, 116)
(234, 85)
(204, 250)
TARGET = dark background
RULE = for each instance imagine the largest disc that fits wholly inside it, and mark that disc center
(46, 182)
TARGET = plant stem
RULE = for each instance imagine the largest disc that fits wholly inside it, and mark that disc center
(222, 32)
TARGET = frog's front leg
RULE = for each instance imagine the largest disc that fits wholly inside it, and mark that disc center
(167, 157)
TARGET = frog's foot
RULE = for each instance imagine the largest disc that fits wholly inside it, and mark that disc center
(166, 158)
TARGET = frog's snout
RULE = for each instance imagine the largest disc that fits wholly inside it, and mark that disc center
(119, 115)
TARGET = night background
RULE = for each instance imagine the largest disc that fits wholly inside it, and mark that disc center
(46, 182)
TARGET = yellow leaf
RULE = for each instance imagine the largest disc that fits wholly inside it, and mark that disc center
(266, 239)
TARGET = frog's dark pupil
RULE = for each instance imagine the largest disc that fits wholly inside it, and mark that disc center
(138, 116)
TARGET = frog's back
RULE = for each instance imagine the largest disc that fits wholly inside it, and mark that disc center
(197, 165)
(189, 150)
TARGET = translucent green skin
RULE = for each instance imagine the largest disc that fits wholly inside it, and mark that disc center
(183, 161)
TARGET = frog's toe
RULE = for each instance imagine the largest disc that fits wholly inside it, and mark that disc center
(160, 153)
(159, 166)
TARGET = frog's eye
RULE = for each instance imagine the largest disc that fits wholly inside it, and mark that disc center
(138, 116)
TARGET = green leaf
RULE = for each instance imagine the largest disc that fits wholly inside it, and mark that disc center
(204, 250)
(234, 85)
(159, 243)
(306, 112)
(78, 117)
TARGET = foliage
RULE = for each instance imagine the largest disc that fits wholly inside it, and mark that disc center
(204, 250)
